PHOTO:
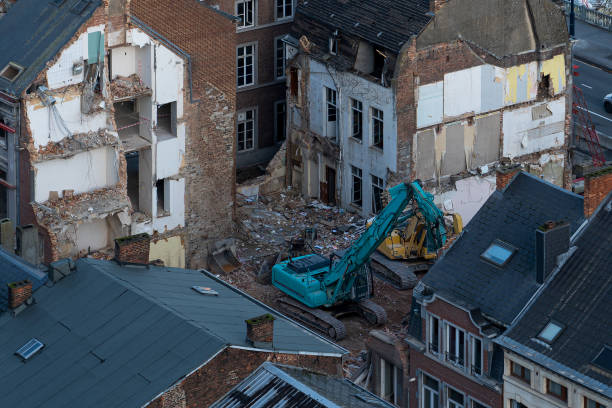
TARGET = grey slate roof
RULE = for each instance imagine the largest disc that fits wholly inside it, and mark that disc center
(281, 386)
(462, 277)
(579, 297)
(15, 269)
(386, 23)
(119, 336)
(32, 33)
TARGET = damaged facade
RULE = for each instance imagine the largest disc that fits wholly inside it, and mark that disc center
(386, 92)
(114, 121)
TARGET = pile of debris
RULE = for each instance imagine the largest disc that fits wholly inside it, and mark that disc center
(128, 87)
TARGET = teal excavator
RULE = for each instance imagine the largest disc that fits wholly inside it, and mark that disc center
(344, 284)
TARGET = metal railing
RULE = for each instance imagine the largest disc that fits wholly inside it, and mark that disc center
(589, 15)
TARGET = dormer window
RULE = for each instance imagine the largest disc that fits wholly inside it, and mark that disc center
(333, 45)
(550, 332)
(498, 253)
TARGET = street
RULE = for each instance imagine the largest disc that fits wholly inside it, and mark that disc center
(595, 83)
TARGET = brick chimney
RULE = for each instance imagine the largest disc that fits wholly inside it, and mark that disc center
(597, 185)
(552, 239)
(260, 330)
(133, 249)
(505, 173)
(19, 292)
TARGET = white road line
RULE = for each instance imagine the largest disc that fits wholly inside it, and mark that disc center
(586, 86)
(596, 114)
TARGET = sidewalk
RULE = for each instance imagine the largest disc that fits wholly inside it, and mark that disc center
(593, 45)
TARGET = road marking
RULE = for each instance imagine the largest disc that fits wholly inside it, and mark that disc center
(593, 113)
(586, 86)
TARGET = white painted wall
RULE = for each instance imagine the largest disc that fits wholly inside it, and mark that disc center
(430, 104)
(92, 235)
(170, 154)
(462, 91)
(169, 76)
(370, 160)
(123, 60)
(45, 128)
(60, 73)
(82, 172)
(524, 135)
(467, 197)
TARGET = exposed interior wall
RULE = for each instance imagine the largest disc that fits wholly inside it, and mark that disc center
(466, 196)
(83, 172)
(170, 250)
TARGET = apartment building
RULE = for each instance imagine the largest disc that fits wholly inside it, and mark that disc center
(260, 75)
(387, 91)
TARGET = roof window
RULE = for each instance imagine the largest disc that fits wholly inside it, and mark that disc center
(205, 291)
(11, 71)
(550, 332)
(604, 358)
(499, 253)
(29, 349)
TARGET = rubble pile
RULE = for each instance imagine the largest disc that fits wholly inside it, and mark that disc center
(125, 87)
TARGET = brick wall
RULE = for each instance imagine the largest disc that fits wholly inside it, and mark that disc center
(210, 382)
(596, 187)
(209, 37)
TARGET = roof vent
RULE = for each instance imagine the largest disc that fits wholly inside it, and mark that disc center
(11, 71)
(29, 349)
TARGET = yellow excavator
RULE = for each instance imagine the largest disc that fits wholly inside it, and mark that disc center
(404, 253)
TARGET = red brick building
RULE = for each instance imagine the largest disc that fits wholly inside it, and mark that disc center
(260, 75)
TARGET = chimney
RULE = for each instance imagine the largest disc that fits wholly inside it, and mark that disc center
(552, 239)
(260, 330)
(597, 185)
(435, 5)
(133, 249)
(19, 293)
(504, 174)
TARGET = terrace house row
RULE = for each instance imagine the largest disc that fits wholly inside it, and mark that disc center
(382, 92)
(108, 126)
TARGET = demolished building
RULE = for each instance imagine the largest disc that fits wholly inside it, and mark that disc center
(110, 127)
(382, 92)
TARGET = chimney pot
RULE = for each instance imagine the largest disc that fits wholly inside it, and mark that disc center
(260, 330)
(19, 293)
(552, 240)
(597, 185)
(133, 249)
(504, 174)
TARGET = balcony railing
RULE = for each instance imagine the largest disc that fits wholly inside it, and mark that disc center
(457, 360)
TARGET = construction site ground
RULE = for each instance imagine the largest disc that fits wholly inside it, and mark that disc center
(267, 224)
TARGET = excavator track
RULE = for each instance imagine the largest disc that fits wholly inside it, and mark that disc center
(316, 319)
(372, 312)
(400, 274)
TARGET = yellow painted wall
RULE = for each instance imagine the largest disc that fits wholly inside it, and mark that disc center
(170, 250)
(555, 67)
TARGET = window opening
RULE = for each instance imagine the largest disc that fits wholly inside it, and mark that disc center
(332, 113)
(550, 332)
(589, 403)
(518, 371)
(280, 58)
(455, 345)
(166, 120)
(294, 82)
(476, 356)
(498, 253)
(11, 71)
(284, 8)
(377, 128)
(333, 45)
(434, 335)
(245, 11)
(133, 176)
(476, 404)
(515, 404)
(455, 398)
(431, 393)
(356, 194)
(246, 130)
(389, 378)
(245, 65)
(378, 185)
(357, 119)
(556, 390)
(280, 114)
(3, 195)
(162, 197)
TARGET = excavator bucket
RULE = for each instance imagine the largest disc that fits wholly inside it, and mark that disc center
(222, 257)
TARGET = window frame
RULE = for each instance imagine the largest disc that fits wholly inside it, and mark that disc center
(472, 354)
(241, 25)
(447, 355)
(374, 187)
(424, 386)
(329, 104)
(395, 378)
(356, 203)
(452, 403)
(556, 336)
(254, 131)
(284, 7)
(501, 244)
(253, 46)
(524, 370)
(359, 111)
(431, 317)
(276, 58)
(334, 45)
(374, 120)
(564, 390)
(586, 400)
(472, 401)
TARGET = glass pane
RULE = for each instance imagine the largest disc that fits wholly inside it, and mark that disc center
(430, 382)
(497, 254)
(550, 332)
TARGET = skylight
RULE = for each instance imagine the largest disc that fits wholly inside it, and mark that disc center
(550, 332)
(11, 71)
(205, 291)
(29, 349)
(498, 253)
(604, 358)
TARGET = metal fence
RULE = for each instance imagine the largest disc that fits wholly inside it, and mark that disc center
(590, 16)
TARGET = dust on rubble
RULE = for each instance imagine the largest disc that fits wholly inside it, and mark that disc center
(266, 225)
